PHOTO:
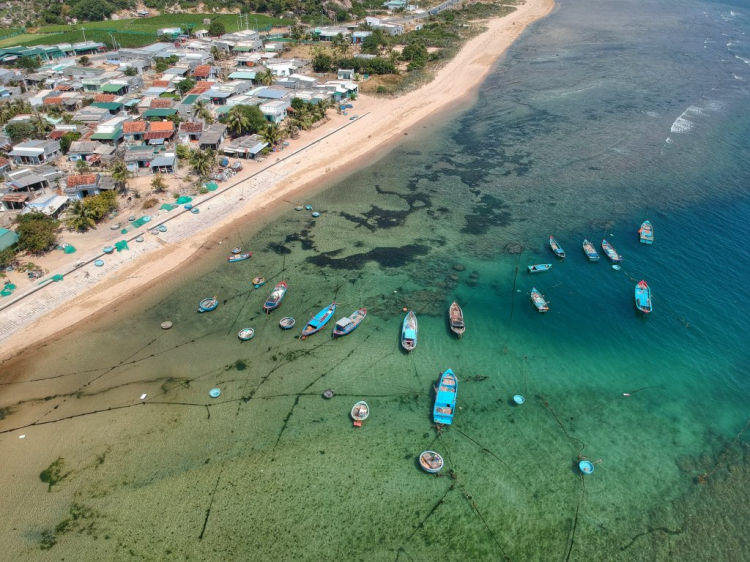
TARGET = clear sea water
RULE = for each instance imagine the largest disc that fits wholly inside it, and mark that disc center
(603, 115)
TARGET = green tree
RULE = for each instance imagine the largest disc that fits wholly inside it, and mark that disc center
(67, 139)
(84, 61)
(120, 173)
(185, 85)
(217, 53)
(271, 134)
(236, 121)
(7, 256)
(161, 65)
(265, 77)
(372, 43)
(41, 125)
(20, 131)
(322, 62)
(29, 63)
(131, 71)
(203, 162)
(216, 29)
(201, 111)
(158, 184)
(82, 166)
(37, 232)
(92, 10)
(298, 33)
(182, 151)
(80, 216)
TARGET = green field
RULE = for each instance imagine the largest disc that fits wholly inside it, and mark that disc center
(131, 32)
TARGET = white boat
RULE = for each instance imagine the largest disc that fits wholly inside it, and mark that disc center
(359, 413)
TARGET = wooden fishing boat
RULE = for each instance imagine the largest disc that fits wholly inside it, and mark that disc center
(456, 317)
(239, 257)
(643, 297)
(539, 267)
(274, 299)
(359, 413)
(646, 233)
(431, 461)
(258, 282)
(318, 321)
(538, 299)
(556, 248)
(207, 305)
(348, 325)
(445, 399)
(591, 253)
(246, 334)
(409, 330)
(287, 323)
(236, 250)
(612, 254)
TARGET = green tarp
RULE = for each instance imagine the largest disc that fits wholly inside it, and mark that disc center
(184, 199)
(69, 249)
(167, 207)
(212, 186)
(121, 245)
(140, 222)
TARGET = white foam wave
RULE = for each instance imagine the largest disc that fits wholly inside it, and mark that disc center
(743, 59)
(737, 77)
(681, 125)
(651, 113)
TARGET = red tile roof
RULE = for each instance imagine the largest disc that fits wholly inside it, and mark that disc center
(134, 127)
(52, 101)
(161, 84)
(63, 87)
(55, 135)
(85, 179)
(203, 70)
(164, 103)
(4, 161)
(106, 98)
(204, 84)
(199, 90)
(158, 135)
(162, 126)
(191, 127)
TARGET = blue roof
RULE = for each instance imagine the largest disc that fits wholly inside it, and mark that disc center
(271, 94)
(7, 238)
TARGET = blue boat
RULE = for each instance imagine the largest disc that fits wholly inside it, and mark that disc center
(591, 253)
(556, 248)
(445, 399)
(539, 267)
(240, 257)
(207, 305)
(612, 254)
(348, 325)
(318, 321)
(646, 233)
(587, 467)
(274, 299)
(643, 297)
(539, 301)
(409, 330)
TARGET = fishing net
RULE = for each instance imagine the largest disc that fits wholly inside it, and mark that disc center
(212, 186)
(121, 245)
(69, 250)
(141, 221)
(184, 199)
(167, 207)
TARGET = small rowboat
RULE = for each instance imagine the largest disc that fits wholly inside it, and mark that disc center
(587, 467)
(539, 267)
(236, 250)
(274, 299)
(612, 254)
(409, 329)
(239, 257)
(646, 233)
(359, 413)
(258, 282)
(308, 207)
(287, 323)
(246, 334)
(108, 249)
(431, 461)
(318, 321)
(456, 317)
(207, 305)
(556, 248)
(643, 297)
(348, 325)
(588, 249)
(445, 399)
(538, 299)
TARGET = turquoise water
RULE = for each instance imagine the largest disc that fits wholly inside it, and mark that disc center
(596, 120)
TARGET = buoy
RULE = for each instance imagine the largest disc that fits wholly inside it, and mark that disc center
(328, 394)
(166, 325)
(405, 309)
(214, 393)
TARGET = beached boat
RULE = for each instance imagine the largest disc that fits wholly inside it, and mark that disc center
(207, 305)
(409, 330)
(274, 299)
(246, 334)
(258, 282)
(318, 321)
(359, 413)
(591, 253)
(239, 257)
(539, 267)
(646, 233)
(445, 399)
(348, 325)
(431, 461)
(612, 254)
(556, 248)
(643, 297)
(236, 250)
(287, 323)
(538, 299)
(456, 317)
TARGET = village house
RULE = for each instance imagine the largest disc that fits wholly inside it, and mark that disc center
(92, 152)
(212, 136)
(36, 152)
(165, 163)
(249, 146)
(133, 132)
(190, 132)
(53, 205)
(85, 185)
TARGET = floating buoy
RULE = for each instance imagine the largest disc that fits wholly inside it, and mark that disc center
(166, 325)
(328, 394)
(518, 399)
(214, 393)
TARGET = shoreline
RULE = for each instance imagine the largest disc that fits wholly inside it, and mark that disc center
(383, 121)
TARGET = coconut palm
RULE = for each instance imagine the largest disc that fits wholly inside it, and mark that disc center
(237, 122)
(203, 161)
(80, 216)
(201, 111)
(40, 125)
(265, 77)
(120, 173)
(271, 134)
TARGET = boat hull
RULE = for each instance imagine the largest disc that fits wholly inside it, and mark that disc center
(591, 253)
(643, 297)
(445, 398)
(556, 248)
(539, 302)
(240, 257)
(540, 267)
(409, 331)
(318, 321)
(646, 233)
(610, 252)
(207, 305)
(360, 412)
(274, 299)
(456, 319)
(354, 321)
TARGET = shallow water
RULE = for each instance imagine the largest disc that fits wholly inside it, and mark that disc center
(596, 120)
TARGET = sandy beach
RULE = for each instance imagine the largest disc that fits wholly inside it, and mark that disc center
(314, 159)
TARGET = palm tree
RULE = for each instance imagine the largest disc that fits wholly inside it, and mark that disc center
(217, 53)
(80, 216)
(271, 134)
(119, 172)
(237, 122)
(203, 161)
(201, 111)
(265, 77)
(40, 125)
